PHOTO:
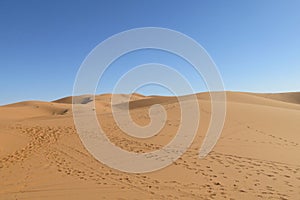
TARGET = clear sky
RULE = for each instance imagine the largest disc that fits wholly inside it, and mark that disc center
(255, 43)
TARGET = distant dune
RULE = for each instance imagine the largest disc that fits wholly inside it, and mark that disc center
(257, 156)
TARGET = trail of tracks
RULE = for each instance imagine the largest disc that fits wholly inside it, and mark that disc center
(219, 174)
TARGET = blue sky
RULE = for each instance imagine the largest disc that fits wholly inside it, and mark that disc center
(255, 43)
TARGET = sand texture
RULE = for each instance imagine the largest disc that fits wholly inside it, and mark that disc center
(256, 157)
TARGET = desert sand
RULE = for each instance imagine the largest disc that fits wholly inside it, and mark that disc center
(256, 157)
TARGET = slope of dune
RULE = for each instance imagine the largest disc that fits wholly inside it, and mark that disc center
(256, 157)
(276, 100)
(290, 97)
(30, 109)
(88, 98)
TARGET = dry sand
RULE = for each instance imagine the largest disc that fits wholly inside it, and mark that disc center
(257, 156)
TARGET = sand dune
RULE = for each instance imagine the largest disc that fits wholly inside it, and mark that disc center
(291, 97)
(257, 156)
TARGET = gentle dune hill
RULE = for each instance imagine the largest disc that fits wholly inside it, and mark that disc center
(103, 97)
(31, 109)
(290, 97)
(257, 156)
